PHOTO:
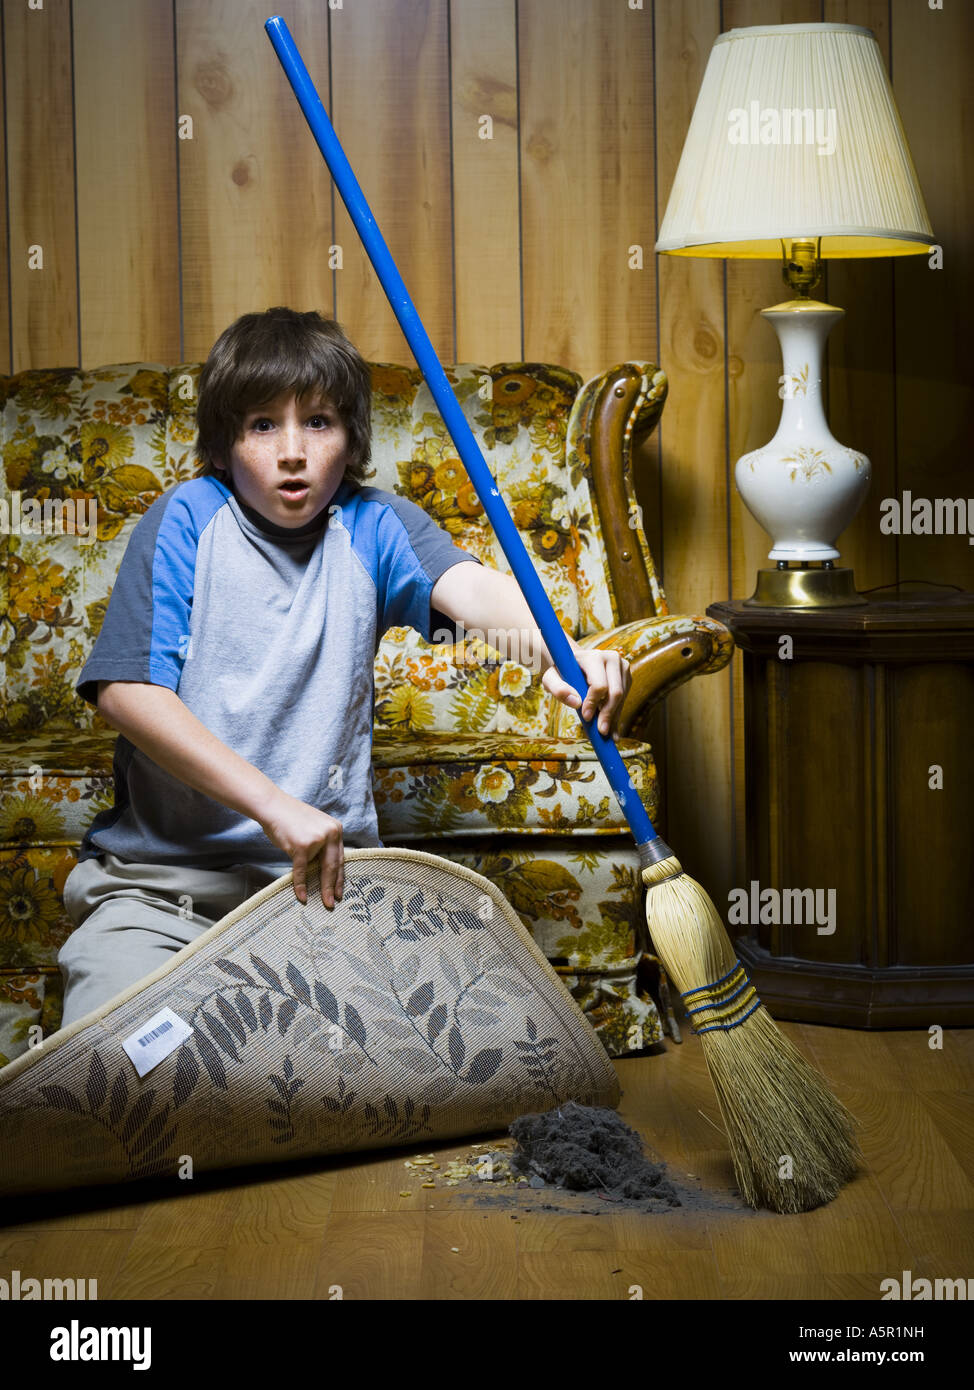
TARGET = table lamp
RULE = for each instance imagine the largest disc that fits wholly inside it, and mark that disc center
(796, 150)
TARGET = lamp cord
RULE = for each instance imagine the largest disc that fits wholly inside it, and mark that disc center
(896, 584)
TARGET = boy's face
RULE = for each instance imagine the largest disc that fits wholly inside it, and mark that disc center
(289, 459)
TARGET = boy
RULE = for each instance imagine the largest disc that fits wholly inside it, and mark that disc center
(236, 654)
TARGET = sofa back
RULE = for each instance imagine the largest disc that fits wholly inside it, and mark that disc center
(101, 445)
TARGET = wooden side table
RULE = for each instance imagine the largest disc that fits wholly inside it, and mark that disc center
(860, 779)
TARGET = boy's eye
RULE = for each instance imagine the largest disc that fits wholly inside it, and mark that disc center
(318, 421)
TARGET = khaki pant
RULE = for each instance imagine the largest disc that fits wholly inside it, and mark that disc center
(130, 918)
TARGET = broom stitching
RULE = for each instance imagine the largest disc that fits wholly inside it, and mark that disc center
(697, 988)
(718, 1012)
(726, 1026)
(720, 1003)
(723, 1009)
(739, 978)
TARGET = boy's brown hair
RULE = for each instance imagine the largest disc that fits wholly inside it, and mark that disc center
(262, 354)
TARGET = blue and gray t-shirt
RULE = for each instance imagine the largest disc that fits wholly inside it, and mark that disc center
(269, 635)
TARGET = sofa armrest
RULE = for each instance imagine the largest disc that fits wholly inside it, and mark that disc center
(612, 412)
(663, 654)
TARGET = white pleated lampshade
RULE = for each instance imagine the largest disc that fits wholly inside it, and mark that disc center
(795, 134)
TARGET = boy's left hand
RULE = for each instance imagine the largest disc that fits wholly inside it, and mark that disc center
(607, 673)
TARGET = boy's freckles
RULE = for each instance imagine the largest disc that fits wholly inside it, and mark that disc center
(289, 458)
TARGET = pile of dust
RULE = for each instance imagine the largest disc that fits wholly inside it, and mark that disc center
(576, 1152)
(586, 1149)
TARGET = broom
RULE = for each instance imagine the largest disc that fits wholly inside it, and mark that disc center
(792, 1143)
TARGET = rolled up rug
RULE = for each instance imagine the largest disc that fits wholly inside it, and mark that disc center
(418, 1009)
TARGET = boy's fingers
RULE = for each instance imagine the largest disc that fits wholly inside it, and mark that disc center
(331, 872)
(617, 674)
(559, 688)
(609, 681)
(597, 693)
(607, 697)
(606, 691)
(301, 876)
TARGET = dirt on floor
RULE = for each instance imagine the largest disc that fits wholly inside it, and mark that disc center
(573, 1158)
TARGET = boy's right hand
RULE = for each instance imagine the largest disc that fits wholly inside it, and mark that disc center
(301, 831)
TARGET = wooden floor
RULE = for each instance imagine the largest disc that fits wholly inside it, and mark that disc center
(299, 1231)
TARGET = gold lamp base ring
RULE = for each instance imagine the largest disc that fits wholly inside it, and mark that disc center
(805, 587)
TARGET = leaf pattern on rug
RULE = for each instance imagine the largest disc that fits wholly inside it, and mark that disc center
(417, 1003)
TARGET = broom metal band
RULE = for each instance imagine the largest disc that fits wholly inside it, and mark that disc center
(652, 851)
(665, 879)
(726, 1003)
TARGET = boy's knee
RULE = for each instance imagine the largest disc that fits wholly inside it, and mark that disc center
(88, 941)
(71, 951)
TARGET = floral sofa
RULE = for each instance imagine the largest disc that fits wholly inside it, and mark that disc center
(473, 760)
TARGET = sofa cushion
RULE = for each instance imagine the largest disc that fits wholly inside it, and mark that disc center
(53, 785)
(443, 784)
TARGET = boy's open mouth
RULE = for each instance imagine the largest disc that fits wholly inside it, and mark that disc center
(294, 487)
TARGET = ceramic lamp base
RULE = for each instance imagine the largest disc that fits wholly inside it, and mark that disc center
(804, 487)
(805, 588)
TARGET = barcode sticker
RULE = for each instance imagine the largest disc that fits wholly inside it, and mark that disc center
(154, 1041)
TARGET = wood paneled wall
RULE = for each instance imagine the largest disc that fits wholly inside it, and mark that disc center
(514, 247)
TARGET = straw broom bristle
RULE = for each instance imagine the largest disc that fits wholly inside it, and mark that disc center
(792, 1143)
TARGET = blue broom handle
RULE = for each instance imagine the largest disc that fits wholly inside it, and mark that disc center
(455, 420)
